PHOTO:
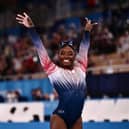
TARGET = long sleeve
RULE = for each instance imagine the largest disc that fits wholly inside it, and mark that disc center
(46, 62)
(83, 51)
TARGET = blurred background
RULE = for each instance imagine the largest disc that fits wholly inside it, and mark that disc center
(24, 87)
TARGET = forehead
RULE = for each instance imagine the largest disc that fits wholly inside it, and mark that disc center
(66, 48)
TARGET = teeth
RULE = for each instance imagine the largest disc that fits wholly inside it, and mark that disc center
(66, 60)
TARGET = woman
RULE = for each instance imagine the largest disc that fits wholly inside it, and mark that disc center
(68, 78)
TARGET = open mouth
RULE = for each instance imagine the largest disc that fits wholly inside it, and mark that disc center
(66, 61)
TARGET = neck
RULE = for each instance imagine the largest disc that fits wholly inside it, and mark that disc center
(67, 67)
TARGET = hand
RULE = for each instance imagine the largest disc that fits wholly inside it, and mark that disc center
(25, 20)
(89, 25)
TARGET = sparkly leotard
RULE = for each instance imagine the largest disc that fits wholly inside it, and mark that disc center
(69, 84)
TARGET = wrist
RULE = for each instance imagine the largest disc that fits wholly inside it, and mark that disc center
(87, 30)
(31, 26)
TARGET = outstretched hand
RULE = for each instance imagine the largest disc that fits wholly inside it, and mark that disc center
(89, 25)
(25, 20)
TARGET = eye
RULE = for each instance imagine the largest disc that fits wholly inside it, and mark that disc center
(70, 53)
(62, 53)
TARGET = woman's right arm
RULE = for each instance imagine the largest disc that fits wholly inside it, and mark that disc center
(46, 62)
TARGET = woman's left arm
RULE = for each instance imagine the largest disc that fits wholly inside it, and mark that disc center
(85, 44)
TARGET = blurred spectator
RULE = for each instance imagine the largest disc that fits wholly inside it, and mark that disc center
(53, 96)
(123, 42)
(17, 64)
(72, 31)
(62, 32)
(109, 69)
(15, 96)
(6, 67)
(38, 95)
(102, 41)
(10, 97)
(19, 97)
(56, 38)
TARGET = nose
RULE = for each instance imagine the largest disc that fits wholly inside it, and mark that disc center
(67, 56)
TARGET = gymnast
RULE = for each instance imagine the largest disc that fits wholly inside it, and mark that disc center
(68, 78)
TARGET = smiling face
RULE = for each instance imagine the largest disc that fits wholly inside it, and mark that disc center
(66, 57)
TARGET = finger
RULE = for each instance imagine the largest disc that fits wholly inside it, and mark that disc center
(95, 24)
(19, 19)
(86, 19)
(20, 22)
(20, 16)
(25, 14)
(89, 21)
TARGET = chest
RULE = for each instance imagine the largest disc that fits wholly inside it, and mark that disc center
(70, 76)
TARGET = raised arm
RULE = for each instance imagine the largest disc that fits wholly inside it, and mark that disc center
(46, 62)
(85, 43)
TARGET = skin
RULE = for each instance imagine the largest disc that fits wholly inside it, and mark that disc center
(66, 57)
(58, 123)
